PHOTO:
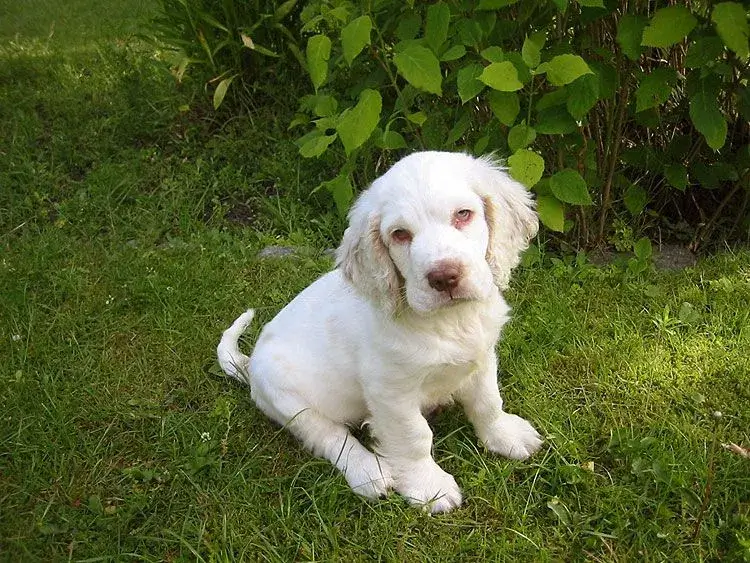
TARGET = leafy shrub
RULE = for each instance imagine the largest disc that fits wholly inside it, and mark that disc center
(230, 41)
(639, 114)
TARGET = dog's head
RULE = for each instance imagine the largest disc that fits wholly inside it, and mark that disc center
(436, 229)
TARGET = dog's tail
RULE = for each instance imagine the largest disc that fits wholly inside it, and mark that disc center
(232, 361)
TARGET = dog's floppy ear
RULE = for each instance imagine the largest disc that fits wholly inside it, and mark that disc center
(511, 217)
(364, 259)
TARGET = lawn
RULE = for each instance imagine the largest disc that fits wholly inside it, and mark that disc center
(130, 226)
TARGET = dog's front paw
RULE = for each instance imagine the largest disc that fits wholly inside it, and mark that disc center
(512, 436)
(426, 485)
(369, 476)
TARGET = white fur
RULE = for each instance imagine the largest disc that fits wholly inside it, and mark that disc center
(373, 341)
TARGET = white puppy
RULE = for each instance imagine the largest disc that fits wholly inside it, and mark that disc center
(407, 321)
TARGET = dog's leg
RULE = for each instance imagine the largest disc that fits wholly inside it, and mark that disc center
(404, 439)
(366, 473)
(503, 433)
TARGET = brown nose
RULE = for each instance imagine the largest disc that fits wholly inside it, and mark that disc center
(445, 277)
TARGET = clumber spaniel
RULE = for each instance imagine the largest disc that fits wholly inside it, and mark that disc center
(407, 321)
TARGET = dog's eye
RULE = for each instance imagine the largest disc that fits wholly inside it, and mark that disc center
(401, 235)
(462, 217)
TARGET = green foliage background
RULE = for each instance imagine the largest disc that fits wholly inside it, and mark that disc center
(615, 114)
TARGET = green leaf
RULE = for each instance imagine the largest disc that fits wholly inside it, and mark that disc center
(355, 36)
(325, 106)
(677, 176)
(493, 54)
(494, 4)
(637, 266)
(712, 176)
(591, 3)
(481, 145)
(318, 53)
(419, 66)
(212, 21)
(436, 28)
(688, 315)
(668, 26)
(550, 212)
(357, 124)
(731, 25)
(607, 75)
(524, 73)
(635, 199)
(468, 84)
(526, 167)
(317, 145)
(562, 5)
(342, 191)
(551, 99)
(708, 119)
(630, 35)
(505, 106)
(298, 120)
(531, 256)
(264, 51)
(703, 50)
(284, 10)
(725, 171)
(564, 69)
(501, 76)
(454, 53)
(655, 88)
(458, 131)
(642, 249)
(95, 504)
(418, 117)
(555, 121)
(583, 93)
(645, 158)
(221, 90)
(678, 147)
(392, 140)
(520, 137)
(325, 123)
(469, 32)
(408, 26)
(570, 187)
(532, 49)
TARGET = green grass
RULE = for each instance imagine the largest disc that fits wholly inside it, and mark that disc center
(128, 236)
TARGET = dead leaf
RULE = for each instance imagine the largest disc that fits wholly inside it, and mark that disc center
(739, 450)
(247, 42)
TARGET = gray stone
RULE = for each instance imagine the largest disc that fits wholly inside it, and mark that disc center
(277, 252)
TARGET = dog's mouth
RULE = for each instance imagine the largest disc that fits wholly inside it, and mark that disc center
(427, 300)
(454, 297)
(440, 301)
